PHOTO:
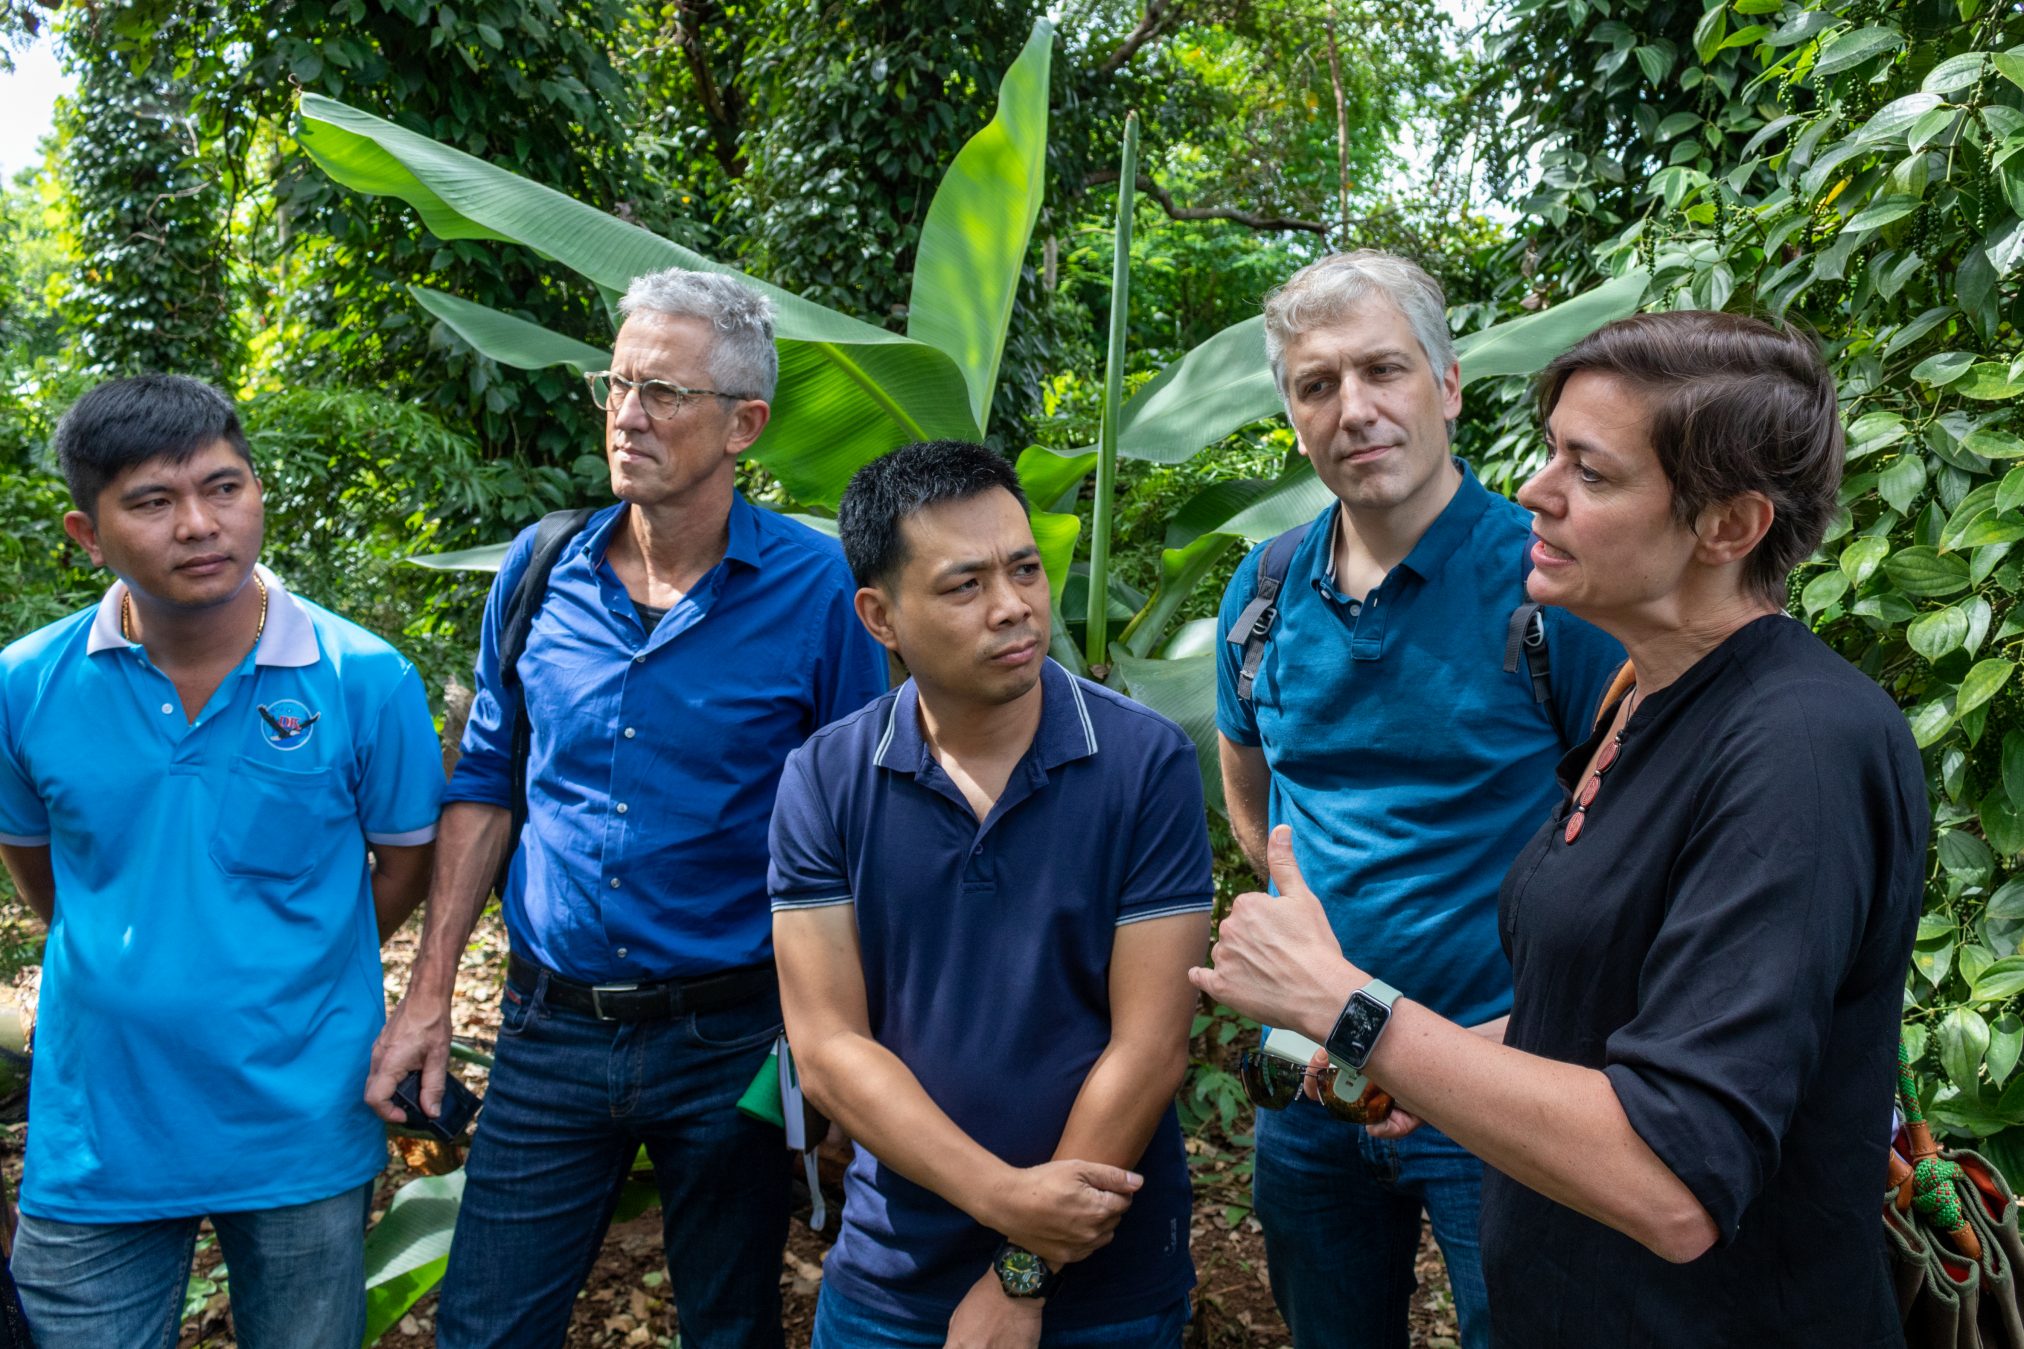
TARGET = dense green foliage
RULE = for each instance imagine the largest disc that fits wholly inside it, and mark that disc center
(1857, 167)
(323, 275)
(155, 290)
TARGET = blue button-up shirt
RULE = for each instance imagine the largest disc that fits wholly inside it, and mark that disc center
(1411, 765)
(654, 757)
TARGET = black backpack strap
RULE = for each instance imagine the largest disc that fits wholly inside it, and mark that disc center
(1254, 623)
(551, 536)
(1525, 639)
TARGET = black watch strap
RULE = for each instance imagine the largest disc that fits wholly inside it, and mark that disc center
(1022, 1274)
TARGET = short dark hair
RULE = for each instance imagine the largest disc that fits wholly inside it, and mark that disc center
(905, 482)
(125, 422)
(1736, 405)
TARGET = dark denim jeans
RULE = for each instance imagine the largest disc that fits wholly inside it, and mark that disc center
(843, 1324)
(297, 1277)
(570, 1103)
(1341, 1213)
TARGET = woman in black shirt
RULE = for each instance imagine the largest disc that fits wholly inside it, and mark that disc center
(1689, 1108)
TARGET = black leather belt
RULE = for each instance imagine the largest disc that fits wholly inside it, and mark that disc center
(644, 1001)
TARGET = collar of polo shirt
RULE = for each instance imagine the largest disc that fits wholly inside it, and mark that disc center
(290, 639)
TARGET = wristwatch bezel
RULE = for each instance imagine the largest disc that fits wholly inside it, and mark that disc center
(1022, 1274)
(1361, 1022)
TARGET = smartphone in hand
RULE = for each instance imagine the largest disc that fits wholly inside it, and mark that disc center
(460, 1106)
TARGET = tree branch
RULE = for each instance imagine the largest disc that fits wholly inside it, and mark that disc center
(1151, 25)
(1248, 219)
(722, 111)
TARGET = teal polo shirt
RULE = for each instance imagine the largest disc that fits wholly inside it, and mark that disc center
(1412, 766)
(211, 986)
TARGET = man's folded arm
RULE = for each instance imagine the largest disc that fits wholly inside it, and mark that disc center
(1061, 1211)
(852, 1078)
(1152, 1006)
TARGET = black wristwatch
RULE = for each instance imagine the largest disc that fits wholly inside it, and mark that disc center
(1363, 1019)
(1022, 1274)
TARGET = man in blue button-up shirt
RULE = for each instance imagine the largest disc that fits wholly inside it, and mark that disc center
(686, 643)
(1384, 727)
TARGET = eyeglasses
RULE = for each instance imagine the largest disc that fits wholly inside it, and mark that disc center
(1271, 1082)
(661, 399)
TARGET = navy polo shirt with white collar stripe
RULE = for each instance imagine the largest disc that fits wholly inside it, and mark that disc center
(986, 953)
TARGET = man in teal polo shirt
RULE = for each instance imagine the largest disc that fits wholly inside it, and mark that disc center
(191, 774)
(1385, 723)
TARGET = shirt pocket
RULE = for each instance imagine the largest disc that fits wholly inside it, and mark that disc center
(275, 823)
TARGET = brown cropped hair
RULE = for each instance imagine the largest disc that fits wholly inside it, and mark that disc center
(1736, 405)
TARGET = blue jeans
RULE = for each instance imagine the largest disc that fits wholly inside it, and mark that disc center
(297, 1276)
(1341, 1212)
(571, 1101)
(843, 1324)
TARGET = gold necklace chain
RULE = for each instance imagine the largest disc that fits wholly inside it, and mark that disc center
(126, 612)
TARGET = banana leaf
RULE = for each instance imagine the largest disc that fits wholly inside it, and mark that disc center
(408, 1249)
(973, 243)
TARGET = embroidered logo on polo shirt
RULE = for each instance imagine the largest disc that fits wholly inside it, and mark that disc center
(288, 724)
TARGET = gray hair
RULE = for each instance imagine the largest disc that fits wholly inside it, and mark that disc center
(1325, 292)
(742, 359)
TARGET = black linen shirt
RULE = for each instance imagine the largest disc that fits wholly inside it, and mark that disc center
(1727, 940)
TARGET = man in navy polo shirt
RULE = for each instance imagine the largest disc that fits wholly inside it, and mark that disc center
(191, 773)
(1383, 726)
(987, 888)
(686, 642)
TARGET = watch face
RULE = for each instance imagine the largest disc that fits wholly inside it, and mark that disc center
(1362, 1018)
(1022, 1273)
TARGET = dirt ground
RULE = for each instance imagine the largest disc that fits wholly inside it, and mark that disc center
(626, 1300)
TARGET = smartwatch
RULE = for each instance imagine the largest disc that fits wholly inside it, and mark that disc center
(1363, 1019)
(1022, 1274)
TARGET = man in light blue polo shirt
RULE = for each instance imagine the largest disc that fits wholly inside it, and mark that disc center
(1383, 726)
(987, 887)
(191, 774)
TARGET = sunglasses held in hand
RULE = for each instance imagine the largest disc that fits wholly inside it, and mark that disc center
(1275, 1073)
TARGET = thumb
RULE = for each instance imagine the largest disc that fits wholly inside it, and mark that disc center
(1115, 1179)
(1286, 877)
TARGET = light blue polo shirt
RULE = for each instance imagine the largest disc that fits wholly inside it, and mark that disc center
(1411, 765)
(211, 987)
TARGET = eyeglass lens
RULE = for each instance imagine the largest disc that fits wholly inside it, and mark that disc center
(661, 399)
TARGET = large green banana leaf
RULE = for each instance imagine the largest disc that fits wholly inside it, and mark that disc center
(408, 1248)
(849, 390)
(1523, 346)
(1220, 386)
(973, 244)
(1181, 570)
(1173, 689)
(507, 339)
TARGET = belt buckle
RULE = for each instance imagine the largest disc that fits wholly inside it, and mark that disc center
(597, 992)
